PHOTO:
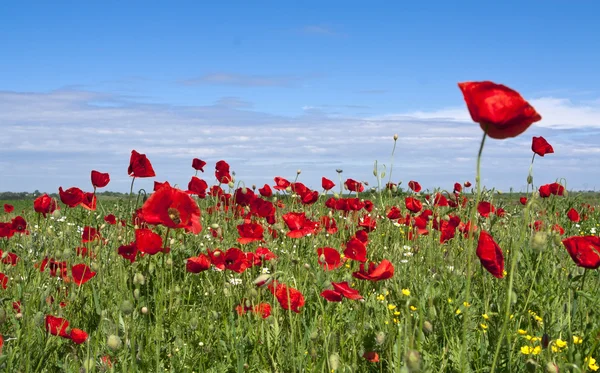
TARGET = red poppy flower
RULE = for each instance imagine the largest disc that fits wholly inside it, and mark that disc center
(99, 179)
(148, 242)
(490, 254)
(158, 185)
(326, 183)
(309, 197)
(57, 326)
(549, 189)
(299, 224)
(110, 219)
(44, 204)
(198, 187)
(345, 289)
(288, 297)
(8, 208)
(499, 110)
(222, 172)
(394, 213)
(376, 272)
(81, 273)
(329, 258)
(140, 166)
(329, 224)
(559, 229)
(9, 258)
(78, 336)
(250, 232)
(3, 280)
(584, 250)
(371, 356)
(197, 264)
(523, 200)
(198, 164)
(485, 209)
(172, 208)
(540, 146)
(414, 186)
(440, 200)
(88, 201)
(354, 186)
(89, 234)
(236, 260)
(128, 252)
(281, 183)
(71, 197)
(467, 184)
(265, 191)
(356, 250)
(19, 225)
(362, 236)
(262, 309)
(413, 204)
(573, 215)
(332, 295)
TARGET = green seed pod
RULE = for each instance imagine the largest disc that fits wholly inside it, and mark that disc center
(427, 327)
(138, 279)
(127, 307)
(334, 361)
(136, 294)
(113, 342)
(413, 361)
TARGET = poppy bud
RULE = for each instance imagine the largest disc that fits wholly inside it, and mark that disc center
(113, 342)
(214, 226)
(127, 307)
(263, 280)
(89, 365)
(538, 241)
(298, 171)
(551, 367)
(231, 184)
(413, 361)
(380, 338)
(306, 265)
(94, 266)
(336, 196)
(244, 190)
(334, 361)
(138, 279)
(144, 310)
(395, 137)
(169, 262)
(339, 171)
(427, 327)
(19, 316)
(56, 214)
(529, 179)
(136, 293)
(288, 189)
(383, 174)
(253, 186)
(193, 323)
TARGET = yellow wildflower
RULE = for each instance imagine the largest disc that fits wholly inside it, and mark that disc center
(560, 343)
(485, 316)
(406, 292)
(526, 350)
(522, 332)
(381, 297)
(466, 304)
(413, 308)
(391, 307)
(449, 300)
(592, 363)
(483, 326)
(577, 340)
(458, 311)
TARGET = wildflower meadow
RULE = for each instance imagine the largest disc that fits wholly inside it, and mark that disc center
(286, 277)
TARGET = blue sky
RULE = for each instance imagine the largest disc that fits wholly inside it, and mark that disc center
(276, 86)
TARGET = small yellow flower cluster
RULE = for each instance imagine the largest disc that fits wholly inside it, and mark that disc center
(528, 350)
(559, 345)
(591, 363)
(577, 340)
(536, 317)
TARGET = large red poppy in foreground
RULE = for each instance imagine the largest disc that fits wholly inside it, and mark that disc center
(172, 208)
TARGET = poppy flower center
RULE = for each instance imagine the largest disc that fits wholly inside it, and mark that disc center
(174, 215)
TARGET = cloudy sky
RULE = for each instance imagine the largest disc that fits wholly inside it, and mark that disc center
(272, 88)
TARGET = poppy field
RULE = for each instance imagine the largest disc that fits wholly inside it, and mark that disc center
(290, 277)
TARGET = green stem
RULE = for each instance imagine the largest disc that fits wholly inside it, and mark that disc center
(463, 350)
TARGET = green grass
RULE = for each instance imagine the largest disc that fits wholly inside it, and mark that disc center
(191, 323)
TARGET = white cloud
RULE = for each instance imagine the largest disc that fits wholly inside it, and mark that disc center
(56, 138)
